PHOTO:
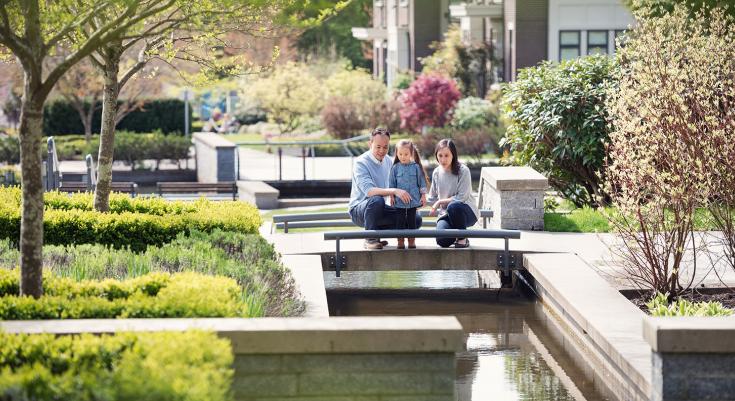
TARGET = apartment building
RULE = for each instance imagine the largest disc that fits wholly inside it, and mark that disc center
(521, 32)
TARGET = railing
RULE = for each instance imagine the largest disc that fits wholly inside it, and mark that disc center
(304, 145)
(342, 219)
(51, 166)
(506, 235)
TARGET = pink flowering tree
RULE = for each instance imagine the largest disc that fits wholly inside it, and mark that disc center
(428, 102)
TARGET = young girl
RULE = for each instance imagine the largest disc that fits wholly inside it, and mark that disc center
(409, 175)
(451, 194)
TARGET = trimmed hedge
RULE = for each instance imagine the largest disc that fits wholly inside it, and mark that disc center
(167, 115)
(134, 223)
(154, 295)
(172, 366)
(130, 147)
(247, 258)
(9, 150)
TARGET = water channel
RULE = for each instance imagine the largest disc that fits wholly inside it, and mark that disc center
(514, 349)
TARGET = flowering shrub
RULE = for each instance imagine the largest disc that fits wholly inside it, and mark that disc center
(671, 147)
(428, 102)
(557, 124)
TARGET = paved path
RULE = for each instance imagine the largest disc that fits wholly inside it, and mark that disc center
(592, 248)
(259, 165)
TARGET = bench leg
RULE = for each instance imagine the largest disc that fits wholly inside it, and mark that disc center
(337, 260)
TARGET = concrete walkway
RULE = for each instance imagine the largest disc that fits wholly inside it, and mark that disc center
(593, 249)
(260, 165)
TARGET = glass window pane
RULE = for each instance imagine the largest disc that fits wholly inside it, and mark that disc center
(597, 38)
(597, 50)
(569, 38)
(569, 53)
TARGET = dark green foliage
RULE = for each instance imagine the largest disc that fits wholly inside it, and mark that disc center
(557, 124)
(172, 366)
(334, 35)
(130, 147)
(9, 150)
(166, 115)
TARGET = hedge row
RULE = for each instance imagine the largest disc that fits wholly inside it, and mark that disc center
(167, 115)
(155, 295)
(247, 258)
(71, 220)
(172, 366)
(129, 147)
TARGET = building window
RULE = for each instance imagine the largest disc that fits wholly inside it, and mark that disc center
(596, 42)
(619, 39)
(569, 45)
(403, 3)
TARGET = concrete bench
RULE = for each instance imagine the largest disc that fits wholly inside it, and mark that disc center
(120, 186)
(342, 219)
(197, 187)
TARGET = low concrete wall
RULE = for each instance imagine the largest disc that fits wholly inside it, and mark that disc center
(515, 195)
(606, 325)
(341, 358)
(693, 357)
(258, 193)
(216, 158)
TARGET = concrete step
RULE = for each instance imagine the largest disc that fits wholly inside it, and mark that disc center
(299, 202)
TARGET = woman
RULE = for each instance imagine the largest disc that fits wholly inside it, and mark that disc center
(451, 194)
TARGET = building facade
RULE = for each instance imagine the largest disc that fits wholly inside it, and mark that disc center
(520, 32)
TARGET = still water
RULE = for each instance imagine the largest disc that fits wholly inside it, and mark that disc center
(513, 349)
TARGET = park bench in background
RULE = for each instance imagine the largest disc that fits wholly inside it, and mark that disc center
(197, 188)
(80, 186)
(342, 219)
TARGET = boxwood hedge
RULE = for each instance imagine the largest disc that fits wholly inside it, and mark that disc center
(133, 223)
(173, 366)
(154, 295)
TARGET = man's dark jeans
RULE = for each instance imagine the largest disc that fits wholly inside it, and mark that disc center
(374, 214)
(460, 216)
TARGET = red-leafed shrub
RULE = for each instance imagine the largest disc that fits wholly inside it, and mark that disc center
(428, 102)
(386, 114)
(341, 117)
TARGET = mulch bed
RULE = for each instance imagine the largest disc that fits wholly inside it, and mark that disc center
(722, 295)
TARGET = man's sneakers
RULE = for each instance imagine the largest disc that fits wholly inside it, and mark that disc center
(373, 243)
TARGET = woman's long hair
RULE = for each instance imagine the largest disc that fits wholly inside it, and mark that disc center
(447, 143)
(416, 156)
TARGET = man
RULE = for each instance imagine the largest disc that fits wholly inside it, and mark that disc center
(370, 187)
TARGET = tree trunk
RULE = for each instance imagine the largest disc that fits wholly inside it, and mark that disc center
(31, 226)
(107, 132)
(87, 122)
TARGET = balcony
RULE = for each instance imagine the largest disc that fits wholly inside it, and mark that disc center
(477, 8)
(369, 33)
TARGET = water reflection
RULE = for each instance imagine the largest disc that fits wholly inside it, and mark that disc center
(510, 352)
(433, 279)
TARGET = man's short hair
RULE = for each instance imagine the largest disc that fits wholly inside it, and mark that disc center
(380, 131)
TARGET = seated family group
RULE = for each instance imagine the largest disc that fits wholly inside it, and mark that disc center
(404, 181)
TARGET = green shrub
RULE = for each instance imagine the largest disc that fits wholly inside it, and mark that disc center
(473, 112)
(133, 222)
(247, 258)
(659, 306)
(157, 295)
(557, 124)
(130, 147)
(9, 150)
(166, 115)
(173, 366)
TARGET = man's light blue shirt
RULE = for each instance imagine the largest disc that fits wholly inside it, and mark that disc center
(368, 173)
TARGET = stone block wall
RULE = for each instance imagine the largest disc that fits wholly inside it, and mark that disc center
(515, 195)
(364, 377)
(693, 358)
(216, 158)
